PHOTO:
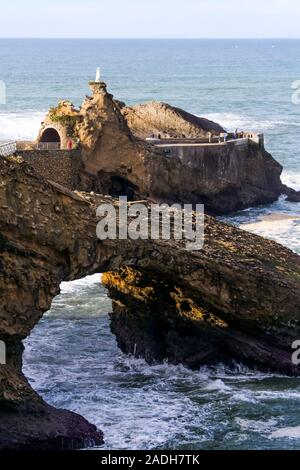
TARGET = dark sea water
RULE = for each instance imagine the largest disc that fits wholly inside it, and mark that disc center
(71, 357)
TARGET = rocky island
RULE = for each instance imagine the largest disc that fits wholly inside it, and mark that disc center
(238, 299)
(153, 151)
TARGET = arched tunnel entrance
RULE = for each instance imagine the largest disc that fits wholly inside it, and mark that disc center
(51, 136)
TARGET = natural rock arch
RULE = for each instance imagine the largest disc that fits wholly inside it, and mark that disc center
(240, 293)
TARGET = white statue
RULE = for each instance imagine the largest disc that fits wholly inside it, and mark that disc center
(98, 75)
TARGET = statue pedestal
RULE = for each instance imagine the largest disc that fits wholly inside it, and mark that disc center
(97, 87)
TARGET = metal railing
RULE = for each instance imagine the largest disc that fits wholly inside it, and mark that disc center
(48, 146)
(9, 148)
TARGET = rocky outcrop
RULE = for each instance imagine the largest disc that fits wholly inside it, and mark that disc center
(33, 259)
(60, 123)
(156, 118)
(114, 160)
(292, 194)
(214, 318)
(238, 298)
(223, 177)
(117, 161)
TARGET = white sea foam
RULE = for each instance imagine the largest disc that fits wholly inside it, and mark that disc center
(256, 425)
(77, 365)
(231, 121)
(283, 227)
(270, 395)
(244, 396)
(271, 228)
(75, 286)
(291, 179)
(20, 126)
(291, 433)
(217, 386)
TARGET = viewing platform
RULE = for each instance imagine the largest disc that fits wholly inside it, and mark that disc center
(187, 148)
(242, 138)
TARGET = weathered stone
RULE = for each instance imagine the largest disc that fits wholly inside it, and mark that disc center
(158, 320)
(117, 160)
(224, 177)
(60, 166)
(238, 298)
(292, 194)
(168, 121)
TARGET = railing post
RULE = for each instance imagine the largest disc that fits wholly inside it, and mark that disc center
(8, 148)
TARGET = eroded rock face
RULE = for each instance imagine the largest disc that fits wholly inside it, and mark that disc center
(118, 161)
(210, 321)
(238, 298)
(292, 194)
(33, 260)
(224, 178)
(167, 121)
(114, 160)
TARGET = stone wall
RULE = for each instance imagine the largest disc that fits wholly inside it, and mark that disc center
(61, 166)
(224, 177)
(186, 151)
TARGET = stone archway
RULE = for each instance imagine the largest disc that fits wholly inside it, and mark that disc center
(51, 137)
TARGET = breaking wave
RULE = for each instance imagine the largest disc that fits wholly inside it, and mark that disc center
(20, 126)
(73, 361)
(231, 121)
(291, 179)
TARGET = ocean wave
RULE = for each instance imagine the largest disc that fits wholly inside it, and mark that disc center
(25, 125)
(20, 126)
(270, 395)
(77, 365)
(78, 284)
(256, 425)
(291, 179)
(231, 121)
(217, 386)
(290, 432)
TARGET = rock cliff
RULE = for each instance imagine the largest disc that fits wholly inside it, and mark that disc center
(118, 161)
(167, 121)
(225, 178)
(114, 160)
(238, 298)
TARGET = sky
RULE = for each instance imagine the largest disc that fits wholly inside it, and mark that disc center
(150, 18)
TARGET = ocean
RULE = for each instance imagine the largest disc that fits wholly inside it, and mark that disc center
(71, 357)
